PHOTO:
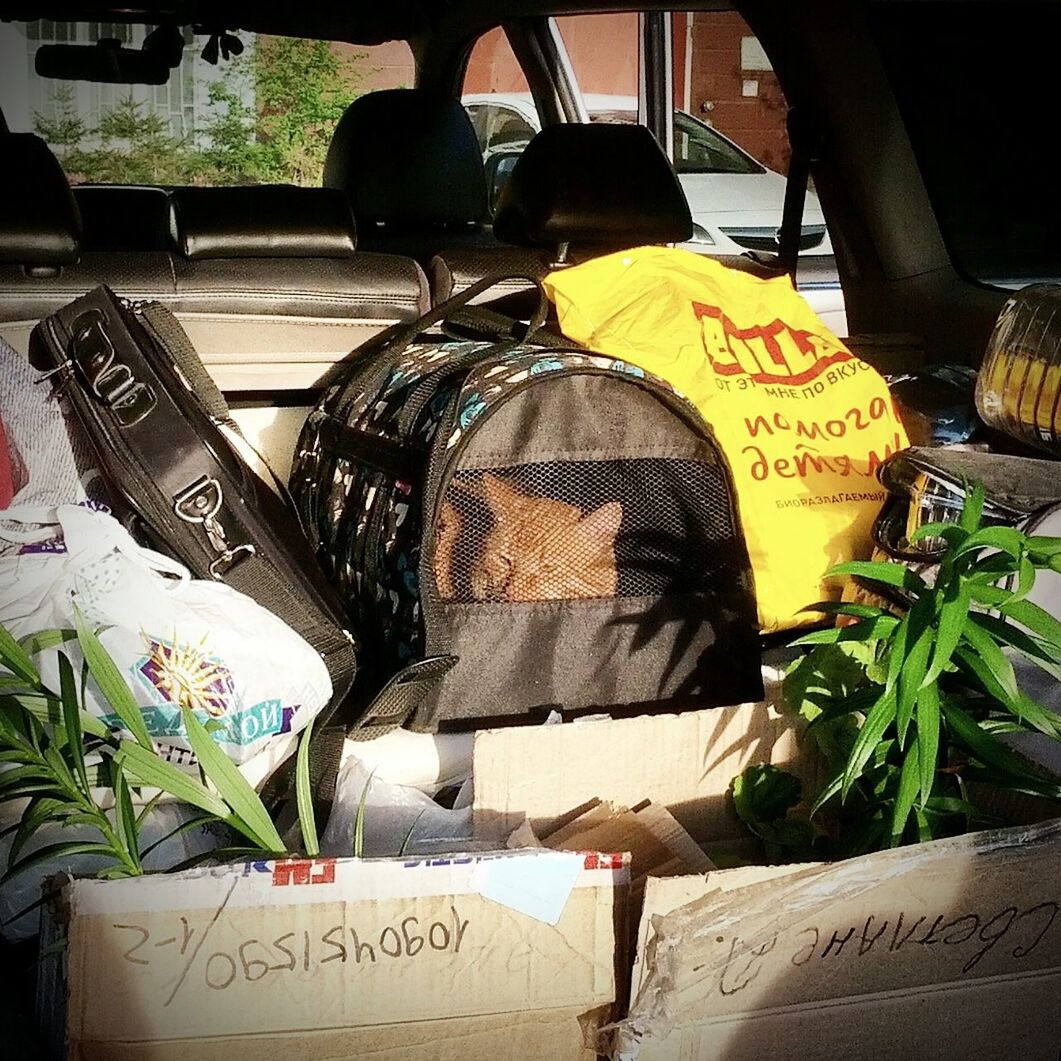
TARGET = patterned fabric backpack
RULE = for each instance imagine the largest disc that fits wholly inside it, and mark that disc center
(543, 526)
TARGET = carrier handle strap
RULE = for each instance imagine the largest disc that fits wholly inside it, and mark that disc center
(396, 340)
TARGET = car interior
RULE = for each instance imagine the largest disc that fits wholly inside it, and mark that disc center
(920, 124)
(277, 284)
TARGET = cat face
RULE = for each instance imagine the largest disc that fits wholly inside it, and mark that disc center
(542, 549)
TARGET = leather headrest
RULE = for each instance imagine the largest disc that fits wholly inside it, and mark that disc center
(408, 157)
(598, 184)
(39, 221)
(261, 221)
(117, 217)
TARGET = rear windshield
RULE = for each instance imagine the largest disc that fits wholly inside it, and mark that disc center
(979, 91)
(262, 113)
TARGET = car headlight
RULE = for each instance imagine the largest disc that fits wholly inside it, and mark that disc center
(702, 236)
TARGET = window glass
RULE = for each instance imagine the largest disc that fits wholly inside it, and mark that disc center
(974, 84)
(264, 115)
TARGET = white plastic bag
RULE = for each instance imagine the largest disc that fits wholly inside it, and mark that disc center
(178, 642)
(397, 820)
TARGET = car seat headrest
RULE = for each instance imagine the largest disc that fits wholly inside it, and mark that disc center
(408, 157)
(261, 221)
(40, 226)
(608, 185)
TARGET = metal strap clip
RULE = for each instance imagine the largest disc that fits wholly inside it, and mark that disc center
(200, 503)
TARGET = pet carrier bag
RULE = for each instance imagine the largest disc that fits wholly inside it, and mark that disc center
(554, 527)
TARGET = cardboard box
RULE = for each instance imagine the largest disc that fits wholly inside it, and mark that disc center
(950, 949)
(459, 957)
(683, 762)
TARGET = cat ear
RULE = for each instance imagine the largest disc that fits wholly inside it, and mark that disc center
(499, 495)
(603, 523)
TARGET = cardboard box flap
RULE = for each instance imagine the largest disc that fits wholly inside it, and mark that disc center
(305, 945)
(941, 916)
(682, 762)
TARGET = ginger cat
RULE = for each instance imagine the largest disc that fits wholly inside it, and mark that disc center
(538, 548)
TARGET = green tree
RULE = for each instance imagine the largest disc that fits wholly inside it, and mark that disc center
(66, 130)
(136, 146)
(301, 89)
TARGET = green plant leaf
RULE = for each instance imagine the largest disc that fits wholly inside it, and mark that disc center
(853, 608)
(148, 807)
(154, 772)
(953, 613)
(762, 794)
(194, 822)
(1039, 652)
(906, 794)
(39, 809)
(880, 716)
(221, 855)
(874, 629)
(125, 815)
(44, 640)
(993, 753)
(111, 682)
(307, 818)
(951, 533)
(359, 819)
(912, 669)
(58, 851)
(251, 817)
(928, 721)
(1039, 621)
(1007, 540)
(988, 662)
(897, 575)
(972, 507)
(13, 656)
(72, 720)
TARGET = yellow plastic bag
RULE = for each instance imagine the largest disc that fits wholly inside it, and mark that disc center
(803, 422)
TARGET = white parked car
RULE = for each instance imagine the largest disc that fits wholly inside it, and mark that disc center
(736, 202)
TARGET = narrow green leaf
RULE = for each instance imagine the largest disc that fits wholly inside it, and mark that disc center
(951, 533)
(953, 612)
(154, 772)
(865, 630)
(72, 720)
(1039, 652)
(44, 640)
(194, 822)
(859, 611)
(897, 652)
(39, 810)
(221, 855)
(912, 670)
(125, 815)
(57, 852)
(1043, 546)
(359, 818)
(927, 738)
(898, 575)
(13, 656)
(409, 835)
(1036, 619)
(881, 715)
(834, 785)
(1002, 682)
(906, 794)
(993, 753)
(1007, 540)
(111, 682)
(307, 819)
(147, 808)
(972, 507)
(252, 818)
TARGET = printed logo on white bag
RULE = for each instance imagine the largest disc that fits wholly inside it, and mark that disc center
(178, 675)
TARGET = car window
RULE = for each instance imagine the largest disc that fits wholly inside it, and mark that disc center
(963, 76)
(499, 126)
(263, 115)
